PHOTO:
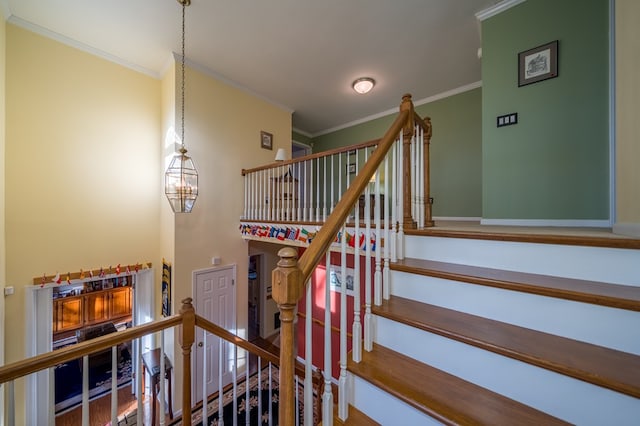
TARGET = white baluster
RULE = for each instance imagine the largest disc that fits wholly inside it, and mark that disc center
(394, 201)
(342, 383)
(11, 404)
(421, 197)
(259, 387)
(205, 363)
(139, 373)
(327, 396)
(299, 199)
(235, 384)
(356, 343)
(368, 317)
(400, 245)
(221, 344)
(247, 393)
(385, 270)
(377, 279)
(333, 174)
(324, 195)
(114, 385)
(308, 357)
(85, 390)
(318, 189)
(263, 194)
(246, 198)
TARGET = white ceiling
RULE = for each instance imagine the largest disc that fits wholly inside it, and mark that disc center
(300, 54)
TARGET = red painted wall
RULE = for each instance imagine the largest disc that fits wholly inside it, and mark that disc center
(318, 312)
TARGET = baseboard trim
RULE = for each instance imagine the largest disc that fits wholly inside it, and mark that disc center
(458, 218)
(569, 223)
(627, 229)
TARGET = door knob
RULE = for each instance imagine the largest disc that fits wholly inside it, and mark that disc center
(200, 344)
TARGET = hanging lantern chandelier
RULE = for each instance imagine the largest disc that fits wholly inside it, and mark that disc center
(181, 177)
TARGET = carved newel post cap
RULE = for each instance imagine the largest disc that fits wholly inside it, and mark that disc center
(288, 257)
(287, 278)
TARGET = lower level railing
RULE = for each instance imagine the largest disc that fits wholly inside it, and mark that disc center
(242, 383)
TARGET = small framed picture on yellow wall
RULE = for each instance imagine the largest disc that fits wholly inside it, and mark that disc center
(266, 140)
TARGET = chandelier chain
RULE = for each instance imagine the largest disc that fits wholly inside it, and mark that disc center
(182, 77)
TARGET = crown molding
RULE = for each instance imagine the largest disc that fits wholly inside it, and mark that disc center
(497, 9)
(423, 101)
(302, 132)
(80, 46)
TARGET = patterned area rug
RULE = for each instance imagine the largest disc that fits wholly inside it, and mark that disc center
(68, 382)
(261, 405)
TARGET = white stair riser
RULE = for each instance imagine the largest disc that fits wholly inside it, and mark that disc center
(611, 265)
(610, 327)
(572, 400)
(385, 408)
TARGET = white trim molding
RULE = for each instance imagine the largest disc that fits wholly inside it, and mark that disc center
(627, 229)
(80, 46)
(458, 218)
(568, 223)
(394, 110)
(497, 9)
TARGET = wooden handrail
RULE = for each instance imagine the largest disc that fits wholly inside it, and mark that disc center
(50, 359)
(333, 151)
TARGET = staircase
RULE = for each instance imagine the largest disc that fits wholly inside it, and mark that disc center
(505, 328)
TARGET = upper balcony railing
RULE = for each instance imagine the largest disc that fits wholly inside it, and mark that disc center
(307, 189)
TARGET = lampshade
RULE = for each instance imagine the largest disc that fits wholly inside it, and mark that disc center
(181, 183)
(363, 85)
(281, 155)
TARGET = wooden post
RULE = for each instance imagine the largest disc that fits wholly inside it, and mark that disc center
(428, 201)
(407, 131)
(286, 281)
(187, 337)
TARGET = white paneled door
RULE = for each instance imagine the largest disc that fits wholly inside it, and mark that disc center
(214, 299)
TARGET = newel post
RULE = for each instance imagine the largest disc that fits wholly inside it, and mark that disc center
(286, 282)
(428, 201)
(187, 337)
(407, 133)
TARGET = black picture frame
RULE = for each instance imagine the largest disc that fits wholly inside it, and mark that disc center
(351, 168)
(538, 64)
(266, 140)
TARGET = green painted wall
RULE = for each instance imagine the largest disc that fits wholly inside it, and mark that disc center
(456, 149)
(554, 163)
(299, 137)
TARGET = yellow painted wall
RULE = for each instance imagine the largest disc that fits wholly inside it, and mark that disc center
(82, 187)
(3, 28)
(627, 123)
(222, 134)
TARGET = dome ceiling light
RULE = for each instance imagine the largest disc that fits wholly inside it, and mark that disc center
(363, 85)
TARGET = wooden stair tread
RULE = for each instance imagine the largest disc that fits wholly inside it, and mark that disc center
(532, 236)
(616, 370)
(594, 292)
(355, 418)
(440, 395)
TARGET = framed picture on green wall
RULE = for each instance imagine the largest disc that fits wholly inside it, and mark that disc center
(537, 64)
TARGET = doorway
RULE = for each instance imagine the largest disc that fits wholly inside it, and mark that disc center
(215, 296)
(254, 298)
